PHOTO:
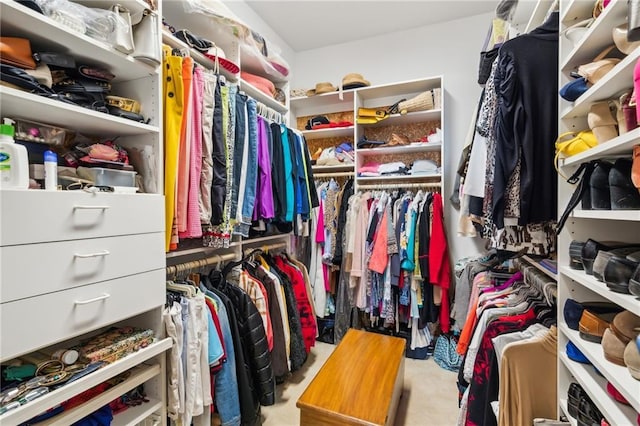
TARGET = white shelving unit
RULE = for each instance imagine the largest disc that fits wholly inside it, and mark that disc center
(600, 225)
(94, 290)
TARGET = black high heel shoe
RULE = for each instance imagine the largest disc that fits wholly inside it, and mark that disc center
(623, 194)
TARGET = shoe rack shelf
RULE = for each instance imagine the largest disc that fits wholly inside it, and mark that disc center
(617, 375)
(596, 386)
(600, 225)
(620, 146)
(597, 37)
(626, 301)
(619, 79)
(620, 215)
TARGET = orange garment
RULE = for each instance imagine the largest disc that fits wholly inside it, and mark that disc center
(380, 253)
(185, 149)
(173, 97)
(472, 314)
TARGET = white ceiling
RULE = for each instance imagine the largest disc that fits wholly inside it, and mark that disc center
(309, 24)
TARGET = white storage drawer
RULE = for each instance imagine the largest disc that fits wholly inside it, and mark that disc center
(34, 216)
(67, 264)
(29, 324)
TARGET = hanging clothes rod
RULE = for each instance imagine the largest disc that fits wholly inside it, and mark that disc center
(200, 263)
(269, 113)
(329, 175)
(430, 185)
(266, 247)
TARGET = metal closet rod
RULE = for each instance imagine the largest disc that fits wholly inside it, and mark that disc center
(195, 264)
(266, 247)
(434, 185)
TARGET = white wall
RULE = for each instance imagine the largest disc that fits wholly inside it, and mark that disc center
(451, 49)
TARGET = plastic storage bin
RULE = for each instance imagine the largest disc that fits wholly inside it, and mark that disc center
(108, 177)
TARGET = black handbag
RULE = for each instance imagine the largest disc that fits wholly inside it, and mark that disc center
(486, 61)
(18, 77)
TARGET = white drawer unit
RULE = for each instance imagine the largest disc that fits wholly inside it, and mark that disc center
(36, 322)
(68, 264)
(33, 216)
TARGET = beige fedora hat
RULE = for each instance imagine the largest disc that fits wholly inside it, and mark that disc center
(353, 80)
(321, 88)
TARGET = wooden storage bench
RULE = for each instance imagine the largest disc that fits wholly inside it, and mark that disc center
(360, 384)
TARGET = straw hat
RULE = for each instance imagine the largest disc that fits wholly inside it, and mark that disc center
(321, 88)
(352, 81)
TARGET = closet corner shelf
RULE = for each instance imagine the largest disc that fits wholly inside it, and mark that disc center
(400, 179)
(57, 396)
(619, 79)
(47, 35)
(401, 149)
(333, 169)
(616, 374)
(626, 215)
(409, 118)
(262, 97)
(598, 37)
(323, 101)
(135, 415)
(622, 145)
(576, 11)
(398, 90)
(139, 375)
(627, 301)
(614, 412)
(18, 104)
(198, 57)
(540, 268)
(336, 132)
(564, 406)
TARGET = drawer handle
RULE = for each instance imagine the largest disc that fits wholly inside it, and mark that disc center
(95, 299)
(99, 254)
(91, 207)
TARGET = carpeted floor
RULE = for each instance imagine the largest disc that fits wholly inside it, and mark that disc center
(430, 396)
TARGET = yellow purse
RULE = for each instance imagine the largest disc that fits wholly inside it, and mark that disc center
(572, 143)
(371, 115)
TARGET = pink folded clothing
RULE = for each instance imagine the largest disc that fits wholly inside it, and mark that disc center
(260, 83)
(370, 168)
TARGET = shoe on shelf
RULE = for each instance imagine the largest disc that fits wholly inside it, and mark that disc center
(626, 326)
(634, 282)
(613, 348)
(635, 167)
(631, 358)
(604, 256)
(575, 254)
(599, 191)
(588, 413)
(618, 272)
(615, 394)
(601, 122)
(593, 325)
(574, 395)
(624, 195)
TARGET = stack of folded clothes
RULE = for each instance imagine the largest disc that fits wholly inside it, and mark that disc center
(424, 168)
(387, 169)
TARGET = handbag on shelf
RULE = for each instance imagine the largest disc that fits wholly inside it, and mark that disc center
(123, 33)
(146, 39)
(577, 143)
(422, 102)
(371, 115)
